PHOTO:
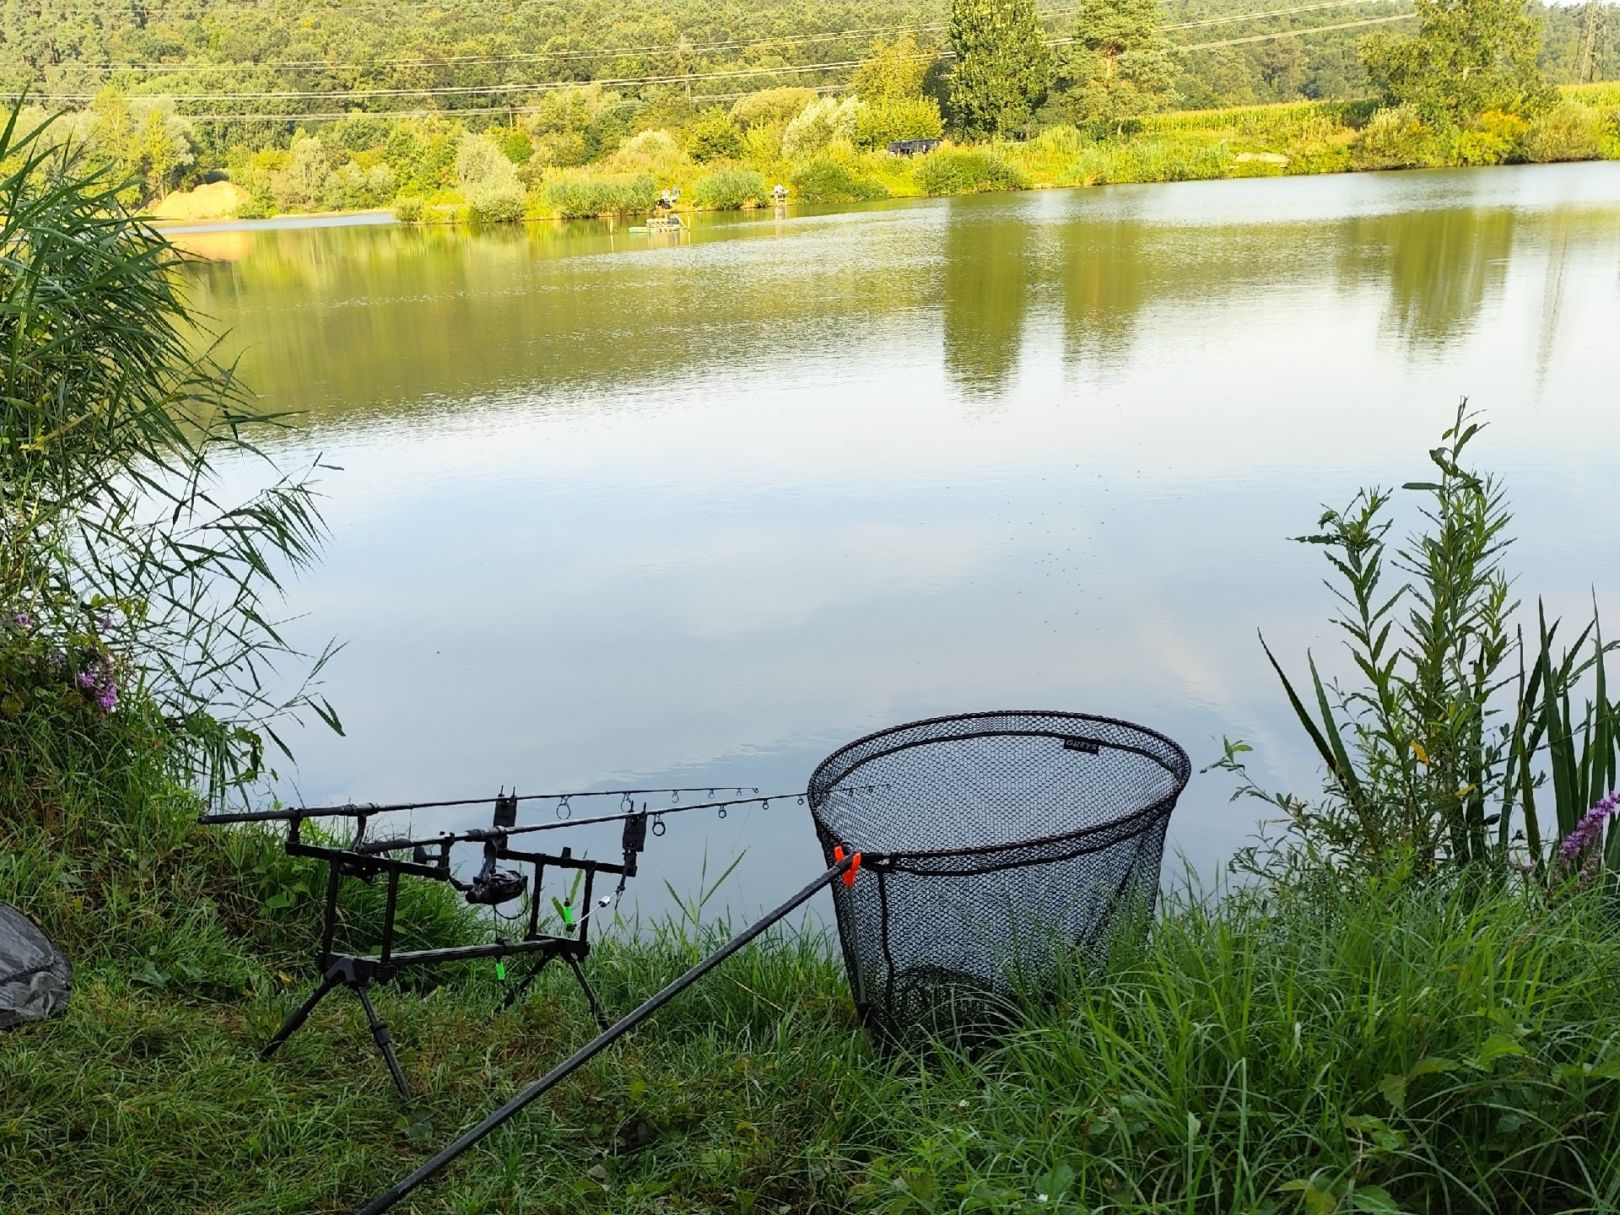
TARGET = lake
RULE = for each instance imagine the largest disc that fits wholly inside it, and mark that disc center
(617, 508)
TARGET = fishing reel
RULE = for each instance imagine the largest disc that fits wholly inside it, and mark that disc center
(491, 887)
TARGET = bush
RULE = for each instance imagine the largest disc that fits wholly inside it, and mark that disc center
(730, 189)
(1062, 140)
(646, 152)
(516, 144)
(882, 122)
(1394, 138)
(1494, 138)
(496, 204)
(771, 107)
(408, 209)
(827, 179)
(351, 188)
(423, 156)
(579, 195)
(818, 125)
(1609, 142)
(1565, 132)
(966, 171)
(301, 185)
(714, 136)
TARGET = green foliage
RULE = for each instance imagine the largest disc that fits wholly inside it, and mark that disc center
(578, 125)
(1493, 138)
(408, 209)
(828, 179)
(966, 171)
(580, 195)
(819, 124)
(730, 189)
(1120, 66)
(882, 122)
(422, 156)
(1446, 1047)
(1394, 138)
(714, 136)
(654, 151)
(771, 107)
(1379, 1051)
(351, 188)
(165, 580)
(1431, 753)
(1003, 66)
(516, 144)
(300, 185)
(488, 181)
(1565, 132)
(1468, 56)
(892, 71)
(1153, 159)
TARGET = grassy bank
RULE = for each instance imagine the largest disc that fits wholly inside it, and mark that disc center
(1440, 1048)
(1288, 139)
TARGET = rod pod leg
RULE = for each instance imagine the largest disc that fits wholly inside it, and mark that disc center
(515, 992)
(384, 1040)
(590, 992)
(298, 1016)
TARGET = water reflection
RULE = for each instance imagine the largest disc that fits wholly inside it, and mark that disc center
(984, 292)
(615, 511)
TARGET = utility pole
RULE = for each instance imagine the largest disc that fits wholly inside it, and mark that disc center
(1586, 66)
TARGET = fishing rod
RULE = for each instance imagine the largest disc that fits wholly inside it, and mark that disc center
(844, 867)
(506, 875)
(290, 814)
(481, 834)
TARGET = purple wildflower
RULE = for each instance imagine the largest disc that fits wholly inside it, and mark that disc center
(99, 678)
(1587, 832)
(24, 620)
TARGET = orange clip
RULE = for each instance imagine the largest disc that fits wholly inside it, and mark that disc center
(854, 865)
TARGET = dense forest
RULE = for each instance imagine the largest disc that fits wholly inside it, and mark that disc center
(351, 105)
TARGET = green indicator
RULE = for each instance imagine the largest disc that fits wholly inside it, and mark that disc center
(500, 970)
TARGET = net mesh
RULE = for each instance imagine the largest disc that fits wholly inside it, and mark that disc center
(998, 848)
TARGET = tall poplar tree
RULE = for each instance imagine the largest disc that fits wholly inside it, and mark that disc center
(1003, 65)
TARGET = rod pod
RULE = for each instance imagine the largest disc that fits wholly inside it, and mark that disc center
(449, 1153)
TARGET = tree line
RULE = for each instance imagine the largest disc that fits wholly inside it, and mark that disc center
(387, 103)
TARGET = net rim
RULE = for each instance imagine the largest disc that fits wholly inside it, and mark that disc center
(1180, 769)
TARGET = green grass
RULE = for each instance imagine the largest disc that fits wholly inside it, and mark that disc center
(1444, 1048)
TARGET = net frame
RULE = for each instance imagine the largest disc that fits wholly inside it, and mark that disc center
(1048, 851)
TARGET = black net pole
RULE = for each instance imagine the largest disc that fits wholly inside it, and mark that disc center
(596, 1045)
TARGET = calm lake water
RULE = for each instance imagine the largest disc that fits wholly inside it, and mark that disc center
(617, 508)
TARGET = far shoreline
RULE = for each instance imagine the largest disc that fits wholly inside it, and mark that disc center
(384, 217)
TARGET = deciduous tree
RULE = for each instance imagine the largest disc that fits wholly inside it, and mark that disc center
(1003, 65)
(1121, 65)
(1468, 56)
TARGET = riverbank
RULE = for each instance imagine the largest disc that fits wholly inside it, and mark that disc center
(1449, 1047)
(1300, 138)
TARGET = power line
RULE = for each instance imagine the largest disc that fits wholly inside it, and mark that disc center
(1316, 29)
(513, 89)
(666, 49)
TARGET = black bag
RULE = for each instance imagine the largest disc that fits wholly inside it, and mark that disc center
(35, 978)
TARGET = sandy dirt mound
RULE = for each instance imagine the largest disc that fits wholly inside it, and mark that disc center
(216, 200)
